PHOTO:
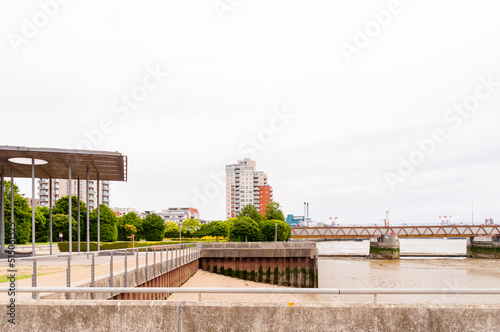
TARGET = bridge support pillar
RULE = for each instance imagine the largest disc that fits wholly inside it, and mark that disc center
(386, 247)
(488, 248)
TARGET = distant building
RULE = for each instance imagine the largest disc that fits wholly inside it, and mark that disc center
(60, 188)
(245, 185)
(123, 211)
(294, 221)
(30, 200)
(179, 214)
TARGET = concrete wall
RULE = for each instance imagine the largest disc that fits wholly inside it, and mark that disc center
(98, 316)
(281, 263)
(148, 276)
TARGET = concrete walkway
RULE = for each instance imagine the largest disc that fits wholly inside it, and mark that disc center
(81, 276)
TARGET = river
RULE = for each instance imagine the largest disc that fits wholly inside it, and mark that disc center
(407, 272)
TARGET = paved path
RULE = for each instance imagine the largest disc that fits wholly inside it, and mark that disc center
(82, 275)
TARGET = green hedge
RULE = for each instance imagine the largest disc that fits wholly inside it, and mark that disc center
(64, 246)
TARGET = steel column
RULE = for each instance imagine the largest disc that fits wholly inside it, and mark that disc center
(78, 204)
(98, 217)
(2, 211)
(12, 222)
(88, 214)
(70, 214)
(33, 205)
(50, 213)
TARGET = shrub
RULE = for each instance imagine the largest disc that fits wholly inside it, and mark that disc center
(153, 227)
(245, 229)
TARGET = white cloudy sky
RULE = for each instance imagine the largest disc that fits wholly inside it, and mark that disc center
(232, 65)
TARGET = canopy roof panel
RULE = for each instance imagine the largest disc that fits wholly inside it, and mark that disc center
(111, 166)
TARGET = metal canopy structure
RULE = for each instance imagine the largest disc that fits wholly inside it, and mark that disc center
(24, 162)
(111, 166)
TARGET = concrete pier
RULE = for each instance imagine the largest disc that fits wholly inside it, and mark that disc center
(281, 263)
(385, 247)
(488, 248)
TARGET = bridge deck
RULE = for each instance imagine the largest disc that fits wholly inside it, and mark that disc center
(357, 232)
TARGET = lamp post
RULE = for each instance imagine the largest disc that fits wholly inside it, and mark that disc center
(276, 232)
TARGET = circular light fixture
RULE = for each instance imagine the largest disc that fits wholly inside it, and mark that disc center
(27, 161)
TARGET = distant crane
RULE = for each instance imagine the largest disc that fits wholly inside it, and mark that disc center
(445, 219)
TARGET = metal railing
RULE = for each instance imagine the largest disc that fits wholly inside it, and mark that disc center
(300, 291)
(173, 256)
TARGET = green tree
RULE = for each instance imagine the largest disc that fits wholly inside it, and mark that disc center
(153, 227)
(109, 227)
(133, 219)
(245, 229)
(251, 211)
(269, 230)
(130, 229)
(61, 206)
(273, 211)
(218, 228)
(22, 216)
(60, 224)
(41, 226)
(171, 227)
(190, 226)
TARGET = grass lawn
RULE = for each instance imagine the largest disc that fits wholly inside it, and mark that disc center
(4, 278)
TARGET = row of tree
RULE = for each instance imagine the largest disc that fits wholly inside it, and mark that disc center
(250, 225)
(113, 228)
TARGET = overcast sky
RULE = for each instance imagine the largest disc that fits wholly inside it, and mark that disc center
(355, 107)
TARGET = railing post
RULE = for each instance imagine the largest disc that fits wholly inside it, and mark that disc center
(154, 263)
(137, 268)
(92, 276)
(161, 261)
(147, 264)
(111, 270)
(68, 277)
(125, 278)
(374, 298)
(33, 279)
(166, 259)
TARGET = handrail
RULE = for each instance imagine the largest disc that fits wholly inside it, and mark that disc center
(284, 290)
(98, 252)
(199, 290)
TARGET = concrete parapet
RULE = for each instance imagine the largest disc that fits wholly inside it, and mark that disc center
(96, 316)
(280, 263)
(386, 247)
